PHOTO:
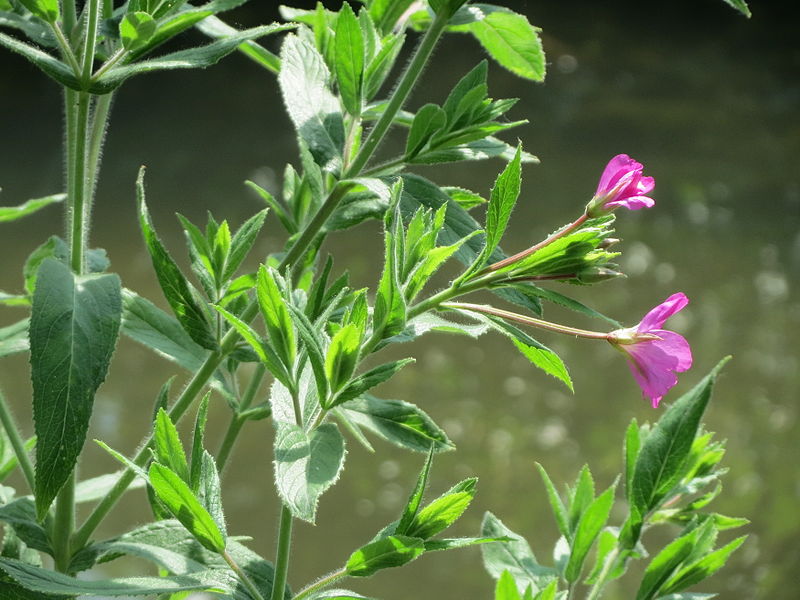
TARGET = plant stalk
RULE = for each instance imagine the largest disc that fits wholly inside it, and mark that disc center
(77, 133)
(64, 524)
(597, 589)
(322, 583)
(282, 556)
(16, 441)
(235, 426)
(242, 576)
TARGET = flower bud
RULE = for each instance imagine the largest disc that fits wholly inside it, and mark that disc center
(597, 275)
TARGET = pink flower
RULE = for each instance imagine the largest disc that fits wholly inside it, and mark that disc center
(654, 354)
(621, 184)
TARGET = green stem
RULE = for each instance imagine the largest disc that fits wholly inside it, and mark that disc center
(64, 525)
(597, 589)
(77, 131)
(322, 583)
(112, 60)
(235, 426)
(16, 442)
(102, 107)
(90, 40)
(526, 320)
(242, 576)
(66, 49)
(282, 556)
(401, 93)
(68, 15)
(549, 240)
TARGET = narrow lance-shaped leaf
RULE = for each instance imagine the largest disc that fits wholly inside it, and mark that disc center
(591, 523)
(191, 315)
(444, 511)
(74, 327)
(276, 316)
(11, 213)
(349, 52)
(415, 499)
(392, 551)
(168, 448)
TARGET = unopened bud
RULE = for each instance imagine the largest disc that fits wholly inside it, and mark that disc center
(598, 275)
(608, 243)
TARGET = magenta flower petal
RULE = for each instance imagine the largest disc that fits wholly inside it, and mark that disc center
(621, 184)
(655, 355)
(656, 317)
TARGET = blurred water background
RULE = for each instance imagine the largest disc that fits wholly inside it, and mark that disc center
(707, 100)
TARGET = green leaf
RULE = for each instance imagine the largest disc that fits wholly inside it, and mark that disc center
(193, 58)
(342, 356)
(401, 423)
(547, 360)
(444, 511)
(701, 569)
(44, 9)
(50, 582)
(386, 13)
(591, 522)
(504, 196)
(428, 120)
(216, 28)
(665, 563)
(741, 6)
(306, 465)
(415, 499)
(12, 213)
(50, 65)
(74, 326)
(96, 488)
(198, 454)
(168, 448)
(314, 110)
(465, 198)
(369, 380)
(190, 313)
(385, 553)
(276, 315)
(20, 514)
(242, 242)
(136, 29)
(379, 67)
(559, 510)
(513, 42)
(184, 505)
(506, 588)
(455, 543)
(514, 556)
(661, 459)
(349, 53)
(633, 444)
(209, 491)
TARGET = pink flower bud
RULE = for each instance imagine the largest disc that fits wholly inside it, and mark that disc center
(621, 184)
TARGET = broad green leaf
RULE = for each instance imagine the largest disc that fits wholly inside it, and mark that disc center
(96, 260)
(349, 53)
(369, 380)
(168, 448)
(50, 582)
(14, 338)
(306, 396)
(703, 568)
(514, 556)
(193, 58)
(306, 464)
(557, 506)
(398, 422)
(73, 331)
(428, 120)
(385, 553)
(549, 593)
(589, 526)
(506, 588)
(663, 453)
(547, 360)
(136, 29)
(386, 13)
(465, 198)
(20, 514)
(415, 499)
(12, 213)
(741, 6)
(50, 65)
(184, 505)
(209, 491)
(513, 42)
(304, 79)
(444, 511)
(187, 308)
(44, 9)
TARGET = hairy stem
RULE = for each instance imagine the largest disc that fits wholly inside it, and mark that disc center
(254, 593)
(66, 49)
(77, 132)
(64, 524)
(282, 554)
(401, 93)
(16, 441)
(236, 423)
(329, 579)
